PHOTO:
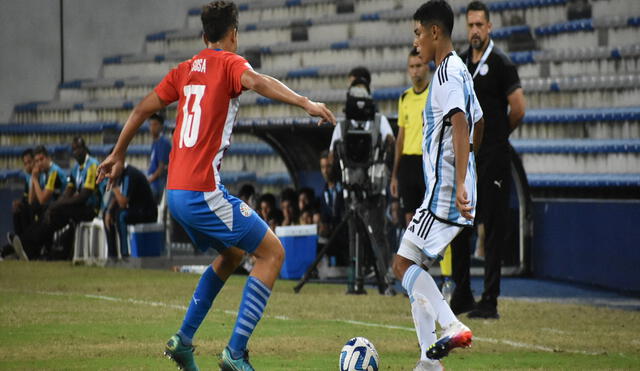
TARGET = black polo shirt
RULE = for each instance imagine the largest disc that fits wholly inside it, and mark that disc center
(494, 82)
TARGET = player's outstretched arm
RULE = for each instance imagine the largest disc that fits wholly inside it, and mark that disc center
(113, 165)
(274, 89)
(461, 151)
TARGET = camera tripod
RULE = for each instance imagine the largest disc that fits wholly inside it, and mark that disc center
(363, 222)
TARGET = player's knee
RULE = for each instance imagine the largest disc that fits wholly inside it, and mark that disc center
(278, 253)
(399, 266)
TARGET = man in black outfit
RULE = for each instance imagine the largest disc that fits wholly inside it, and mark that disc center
(498, 88)
(131, 202)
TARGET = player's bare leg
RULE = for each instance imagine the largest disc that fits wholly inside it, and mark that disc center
(269, 257)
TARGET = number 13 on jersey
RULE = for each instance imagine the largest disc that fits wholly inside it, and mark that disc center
(191, 118)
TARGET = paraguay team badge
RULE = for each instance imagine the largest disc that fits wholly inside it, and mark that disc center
(245, 210)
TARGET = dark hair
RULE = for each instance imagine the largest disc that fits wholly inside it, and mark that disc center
(158, 117)
(218, 17)
(276, 215)
(289, 194)
(414, 52)
(40, 150)
(361, 75)
(27, 152)
(478, 5)
(247, 190)
(324, 154)
(438, 12)
(311, 195)
(268, 198)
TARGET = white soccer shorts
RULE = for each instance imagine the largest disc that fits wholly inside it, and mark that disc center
(426, 236)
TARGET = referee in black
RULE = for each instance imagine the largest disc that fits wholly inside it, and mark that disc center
(498, 88)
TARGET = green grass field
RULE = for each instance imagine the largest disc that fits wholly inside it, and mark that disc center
(56, 316)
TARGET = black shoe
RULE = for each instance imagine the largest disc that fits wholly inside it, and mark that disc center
(484, 311)
(462, 306)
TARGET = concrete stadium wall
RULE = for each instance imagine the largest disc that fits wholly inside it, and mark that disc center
(30, 52)
(30, 62)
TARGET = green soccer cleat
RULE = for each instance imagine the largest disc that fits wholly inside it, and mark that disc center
(181, 354)
(227, 363)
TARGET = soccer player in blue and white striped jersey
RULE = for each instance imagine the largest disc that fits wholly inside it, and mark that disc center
(452, 122)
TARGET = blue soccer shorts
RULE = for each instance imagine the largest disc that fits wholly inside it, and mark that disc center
(217, 219)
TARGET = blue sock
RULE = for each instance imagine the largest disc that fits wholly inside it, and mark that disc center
(254, 300)
(207, 289)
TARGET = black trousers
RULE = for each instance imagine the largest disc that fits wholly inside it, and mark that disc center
(41, 233)
(494, 187)
(23, 216)
(122, 218)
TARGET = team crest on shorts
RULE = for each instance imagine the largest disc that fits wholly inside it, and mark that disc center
(245, 210)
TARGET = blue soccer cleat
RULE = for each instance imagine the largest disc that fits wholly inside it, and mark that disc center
(181, 354)
(228, 363)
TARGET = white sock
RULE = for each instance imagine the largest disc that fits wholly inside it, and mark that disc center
(424, 323)
(419, 282)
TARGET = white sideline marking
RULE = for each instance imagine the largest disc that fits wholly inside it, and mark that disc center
(515, 344)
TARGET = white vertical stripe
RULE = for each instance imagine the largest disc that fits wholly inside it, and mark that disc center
(220, 206)
(225, 141)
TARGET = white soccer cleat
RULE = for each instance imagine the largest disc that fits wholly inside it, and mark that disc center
(457, 335)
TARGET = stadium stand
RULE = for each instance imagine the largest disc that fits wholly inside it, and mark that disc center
(581, 78)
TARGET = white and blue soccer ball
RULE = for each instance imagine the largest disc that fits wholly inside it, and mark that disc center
(358, 354)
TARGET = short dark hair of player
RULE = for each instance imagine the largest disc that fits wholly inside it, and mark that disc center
(157, 117)
(27, 152)
(435, 12)
(324, 154)
(478, 5)
(414, 52)
(361, 75)
(218, 17)
(40, 150)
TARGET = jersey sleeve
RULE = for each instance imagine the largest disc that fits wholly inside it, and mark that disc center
(236, 67)
(510, 80)
(401, 119)
(90, 179)
(167, 89)
(451, 97)
(124, 185)
(51, 180)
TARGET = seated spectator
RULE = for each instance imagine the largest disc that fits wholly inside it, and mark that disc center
(81, 201)
(247, 194)
(21, 212)
(266, 204)
(306, 215)
(46, 172)
(131, 202)
(274, 219)
(289, 206)
(306, 196)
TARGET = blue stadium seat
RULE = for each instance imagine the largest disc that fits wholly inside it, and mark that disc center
(576, 145)
(583, 180)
